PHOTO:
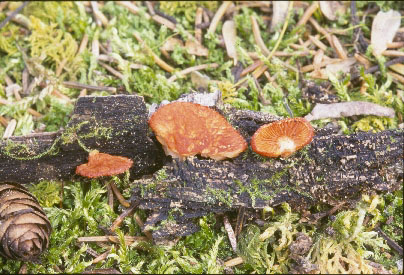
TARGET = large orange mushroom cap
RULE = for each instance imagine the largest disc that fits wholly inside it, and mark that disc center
(100, 164)
(282, 138)
(186, 129)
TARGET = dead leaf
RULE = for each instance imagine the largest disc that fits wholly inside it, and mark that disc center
(280, 11)
(195, 48)
(170, 44)
(200, 80)
(384, 28)
(229, 36)
(344, 66)
(330, 9)
(345, 109)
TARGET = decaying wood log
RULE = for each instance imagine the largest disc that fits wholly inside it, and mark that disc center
(116, 125)
(332, 168)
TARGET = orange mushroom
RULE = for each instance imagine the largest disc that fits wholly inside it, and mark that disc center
(102, 165)
(282, 138)
(186, 129)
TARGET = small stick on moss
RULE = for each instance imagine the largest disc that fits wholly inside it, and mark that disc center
(230, 234)
(257, 36)
(158, 61)
(10, 129)
(110, 196)
(163, 21)
(139, 222)
(132, 8)
(101, 257)
(150, 8)
(102, 271)
(3, 121)
(124, 214)
(321, 30)
(397, 77)
(376, 68)
(77, 85)
(317, 42)
(83, 44)
(240, 221)
(101, 19)
(13, 14)
(118, 195)
(339, 49)
(363, 60)
(114, 239)
(392, 53)
(25, 79)
(34, 113)
(395, 45)
(192, 69)
(251, 68)
(390, 241)
(198, 21)
(218, 15)
(308, 13)
(111, 70)
(234, 262)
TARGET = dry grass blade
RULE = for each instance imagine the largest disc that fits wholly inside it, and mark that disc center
(234, 262)
(192, 69)
(101, 257)
(321, 30)
(157, 59)
(10, 128)
(257, 36)
(396, 77)
(363, 60)
(3, 121)
(229, 36)
(339, 49)
(308, 13)
(101, 19)
(218, 15)
(114, 239)
(395, 45)
(317, 42)
(280, 11)
(77, 85)
(198, 21)
(393, 53)
(111, 70)
(83, 44)
(384, 27)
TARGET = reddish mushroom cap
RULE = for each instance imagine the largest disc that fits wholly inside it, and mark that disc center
(186, 129)
(100, 164)
(282, 138)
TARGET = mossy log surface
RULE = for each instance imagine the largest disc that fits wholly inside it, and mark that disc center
(115, 125)
(332, 168)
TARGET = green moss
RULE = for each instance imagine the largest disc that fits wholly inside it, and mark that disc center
(221, 195)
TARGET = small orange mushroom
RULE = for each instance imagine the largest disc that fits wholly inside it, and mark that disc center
(100, 164)
(282, 138)
(186, 129)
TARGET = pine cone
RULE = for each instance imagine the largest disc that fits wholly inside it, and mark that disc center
(24, 227)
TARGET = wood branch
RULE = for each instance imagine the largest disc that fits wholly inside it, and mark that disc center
(331, 169)
(115, 125)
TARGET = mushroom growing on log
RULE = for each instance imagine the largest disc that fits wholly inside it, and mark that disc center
(24, 227)
(332, 167)
(186, 129)
(282, 138)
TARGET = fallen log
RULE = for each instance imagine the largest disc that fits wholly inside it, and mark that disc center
(332, 168)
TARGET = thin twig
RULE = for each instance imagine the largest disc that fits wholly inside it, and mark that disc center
(308, 13)
(110, 195)
(230, 234)
(101, 257)
(390, 241)
(240, 220)
(218, 15)
(13, 14)
(377, 68)
(198, 21)
(114, 239)
(118, 195)
(140, 223)
(124, 214)
(77, 85)
(234, 262)
(193, 69)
